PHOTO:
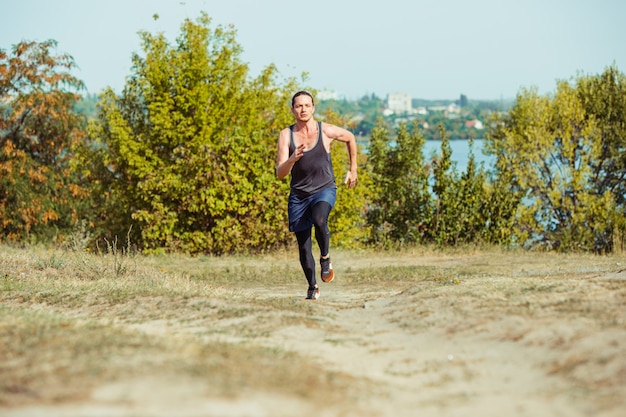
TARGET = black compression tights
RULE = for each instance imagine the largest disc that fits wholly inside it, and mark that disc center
(319, 215)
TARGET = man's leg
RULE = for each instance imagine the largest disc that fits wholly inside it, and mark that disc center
(305, 248)
(320, 213)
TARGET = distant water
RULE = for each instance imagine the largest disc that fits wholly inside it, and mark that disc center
(460, 152)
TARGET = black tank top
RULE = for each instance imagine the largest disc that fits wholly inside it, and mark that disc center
(314, 171)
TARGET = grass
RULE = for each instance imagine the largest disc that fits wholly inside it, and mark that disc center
(65, 307)
(72, 320)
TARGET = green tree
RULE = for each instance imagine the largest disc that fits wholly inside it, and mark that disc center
(377, 162)
(40, 195)
(186, 153)
(401, 203)
(446, 226)
(468, 208)
(409, 191)
(559, 153)
(472, 215)
(500, 203)
(603, 98)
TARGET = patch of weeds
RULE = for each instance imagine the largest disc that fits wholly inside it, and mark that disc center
(52, 261)
(120, 257)
(78, 240)
(446, 280)
(10, 283)
(119, 261)
(117, 296)
(112, 259)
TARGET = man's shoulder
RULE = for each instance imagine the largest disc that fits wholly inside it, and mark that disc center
(285, 134)
(287, 129)
(328, 127)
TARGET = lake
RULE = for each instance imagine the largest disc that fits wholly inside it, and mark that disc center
(460, 152)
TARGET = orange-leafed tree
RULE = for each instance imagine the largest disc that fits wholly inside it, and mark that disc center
(39, 128)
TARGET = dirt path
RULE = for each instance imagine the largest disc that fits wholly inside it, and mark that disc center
(415, 352)
(432, 371)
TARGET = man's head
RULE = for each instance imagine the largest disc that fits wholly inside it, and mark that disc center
(301, 93)
(302, 106)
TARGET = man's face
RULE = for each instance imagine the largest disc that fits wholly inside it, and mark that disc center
(303, 108)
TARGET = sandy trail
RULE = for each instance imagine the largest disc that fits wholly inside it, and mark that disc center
(430, 372)
(414, 354)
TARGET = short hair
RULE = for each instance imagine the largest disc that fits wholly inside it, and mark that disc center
(301, 93)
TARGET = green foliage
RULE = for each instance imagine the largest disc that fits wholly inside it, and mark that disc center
(400, 209)
(183, 159)
(377, 163)
(409, 191)
(187, 151)
(565, 155)
(498, 208)
(418, 202)
(40, 195)
(469, 207)
(445, 222)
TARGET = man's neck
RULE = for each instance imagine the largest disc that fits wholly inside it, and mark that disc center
(308, 126)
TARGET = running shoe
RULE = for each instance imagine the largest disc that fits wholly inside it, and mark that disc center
(313, 293)
(327, 270)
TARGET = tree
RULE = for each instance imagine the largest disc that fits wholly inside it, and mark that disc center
(468, 207)
(40, 194)
(603, 98)
(446, 227)
(472, 216)
(377, 162)
(499, 207)
(564, 155)
(401, 203)
(186, 153)
(409, 188)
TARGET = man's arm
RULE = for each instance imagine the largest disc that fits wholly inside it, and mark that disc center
(343, 135)
(284, 161)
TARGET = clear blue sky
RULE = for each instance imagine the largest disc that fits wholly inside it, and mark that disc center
(485, 49)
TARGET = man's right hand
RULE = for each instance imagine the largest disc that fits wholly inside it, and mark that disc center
(297, 154)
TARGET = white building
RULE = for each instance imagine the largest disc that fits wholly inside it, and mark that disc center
(399, 103)
(476, 124)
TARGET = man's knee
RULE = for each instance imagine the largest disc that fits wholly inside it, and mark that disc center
(320, 223)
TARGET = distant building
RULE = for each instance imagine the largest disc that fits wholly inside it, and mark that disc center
(476, 124)
(399, 103)
(452, 111)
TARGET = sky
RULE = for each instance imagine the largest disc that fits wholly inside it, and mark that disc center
(484, 49)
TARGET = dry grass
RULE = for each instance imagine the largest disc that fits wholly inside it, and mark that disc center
(73, 321)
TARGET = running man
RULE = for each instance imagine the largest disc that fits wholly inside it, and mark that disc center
(304, 151)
